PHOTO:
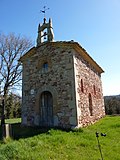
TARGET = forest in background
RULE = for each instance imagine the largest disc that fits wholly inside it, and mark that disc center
(12, 106)
(112, 104)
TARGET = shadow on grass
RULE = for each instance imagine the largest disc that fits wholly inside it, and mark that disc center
(19, 131)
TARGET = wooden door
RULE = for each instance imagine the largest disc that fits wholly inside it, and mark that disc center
(46, 109)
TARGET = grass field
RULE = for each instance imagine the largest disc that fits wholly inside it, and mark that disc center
(40, 144)
(13, 121)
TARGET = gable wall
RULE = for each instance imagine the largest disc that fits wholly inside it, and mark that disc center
(58, 80)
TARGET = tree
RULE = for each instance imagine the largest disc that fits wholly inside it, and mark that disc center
(13, 106)
(112, 104)
(12, 47)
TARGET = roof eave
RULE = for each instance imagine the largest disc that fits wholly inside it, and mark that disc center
(27, 54)
(87, 57)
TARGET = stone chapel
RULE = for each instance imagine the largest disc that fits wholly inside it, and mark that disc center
(61, 84)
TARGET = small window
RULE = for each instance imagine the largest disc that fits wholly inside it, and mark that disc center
(90, 104)
(82, 90)
(94, 89)
(45, 67)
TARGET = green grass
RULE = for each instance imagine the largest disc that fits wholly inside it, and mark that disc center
(12, 121)
(56, 144)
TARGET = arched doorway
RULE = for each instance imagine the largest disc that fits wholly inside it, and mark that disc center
(46, 109)
(90, 104)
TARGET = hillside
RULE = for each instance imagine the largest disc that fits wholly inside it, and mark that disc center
(56, 144)
(112, 104)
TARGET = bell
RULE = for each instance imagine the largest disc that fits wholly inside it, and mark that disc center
(45, 35)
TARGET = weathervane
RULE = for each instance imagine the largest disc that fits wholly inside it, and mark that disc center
(45, 30)
(44, 11)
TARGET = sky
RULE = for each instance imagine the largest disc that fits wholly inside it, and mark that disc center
(94, 24)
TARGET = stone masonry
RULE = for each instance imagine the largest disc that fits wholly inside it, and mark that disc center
(61, 84)
(73, 81)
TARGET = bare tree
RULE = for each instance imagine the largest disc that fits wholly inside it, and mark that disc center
(12, 47)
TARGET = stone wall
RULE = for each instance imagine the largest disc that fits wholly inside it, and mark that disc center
(58, 80)
(74, 84)
(89, 97)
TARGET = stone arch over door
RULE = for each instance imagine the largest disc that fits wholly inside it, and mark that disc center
(46, 109)
(54, 94)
